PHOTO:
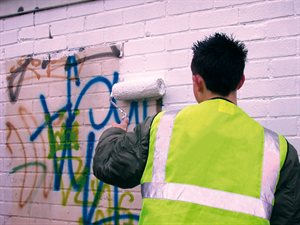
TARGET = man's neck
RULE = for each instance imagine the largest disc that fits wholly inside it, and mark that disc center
(231, 97)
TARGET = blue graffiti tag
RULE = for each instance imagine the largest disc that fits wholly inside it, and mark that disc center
(71, 111)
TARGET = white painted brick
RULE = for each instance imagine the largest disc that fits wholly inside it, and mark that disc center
(169, 60)
(53, 104)
(244, 32)
(285, 67)
(110, 66)
(146, 74)
(295, 141)
(168, 25)
(285, 107)
(2, 52)
(266, 11)
(179, 7)
(26, 121)
(59, 222)
(257, 69)
(8, 37)
(132, 64)
(40, 210)
(33, 91)
(18, 22)
(97, 100)
(2, 76)
(143, 46)
(178, 77)
(179, 41)
(41, 31)
(19, 220)
(1, 170)
(2, 120)
(297, 8)
(1, 25)
(248, 32)
(143, 13)
(42, 221)
(67, 26)
(85, 39)
(12, 109)
(224, 3)
(35, 32)
(66, 213)
(283, 27)
(116, 4)
(24, 48)
(50, 15)
(255, 108)
(269, 88)
(26, 33)
(179, 94)
(2, 110)
(99, 115)
(124, 32)
(298, 46)
(89, 70)
(58, 89)
(2, 137)
(283, 126)
(214, 18)
(3, 98)
(107, 19)
(2, 73)
(269, 49)
(179, 59)
(5, 209)
(185, 40)
(85, 9)
(49, 45)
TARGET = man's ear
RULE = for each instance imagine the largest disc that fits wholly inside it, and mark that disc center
(241, 82)
(198, 82)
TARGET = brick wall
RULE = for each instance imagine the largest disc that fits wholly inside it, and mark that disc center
(49, 58)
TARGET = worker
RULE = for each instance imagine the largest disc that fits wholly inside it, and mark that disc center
(208, 163)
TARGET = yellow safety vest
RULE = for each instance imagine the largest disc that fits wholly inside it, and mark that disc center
(210, 164)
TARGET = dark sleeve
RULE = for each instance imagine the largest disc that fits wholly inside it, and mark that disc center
(286, 210)
(120, 156)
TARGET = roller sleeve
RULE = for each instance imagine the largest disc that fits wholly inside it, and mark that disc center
(139, 89)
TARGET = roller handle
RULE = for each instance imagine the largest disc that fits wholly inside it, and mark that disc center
(124, 114)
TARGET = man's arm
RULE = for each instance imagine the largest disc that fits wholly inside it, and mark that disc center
(121, 156)
(286, 210)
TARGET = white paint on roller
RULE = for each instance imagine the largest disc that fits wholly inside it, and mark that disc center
(139, 89)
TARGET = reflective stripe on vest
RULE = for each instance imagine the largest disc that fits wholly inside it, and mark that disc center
(162, 143)
(159, 189)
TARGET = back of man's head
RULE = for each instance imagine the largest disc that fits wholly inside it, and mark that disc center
(220, 61)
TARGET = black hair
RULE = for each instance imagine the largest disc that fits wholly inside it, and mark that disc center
(220, 61)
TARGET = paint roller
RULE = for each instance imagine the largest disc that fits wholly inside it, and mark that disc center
(149, 88)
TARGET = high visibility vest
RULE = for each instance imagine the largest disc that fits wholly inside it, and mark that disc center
(210, 164)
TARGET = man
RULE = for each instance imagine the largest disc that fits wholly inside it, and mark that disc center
(208, 163)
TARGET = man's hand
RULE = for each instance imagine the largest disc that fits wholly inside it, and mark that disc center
(123, 125)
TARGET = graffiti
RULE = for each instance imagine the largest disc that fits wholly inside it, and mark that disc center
(62, 129)
(36, 164)
(17, 73)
